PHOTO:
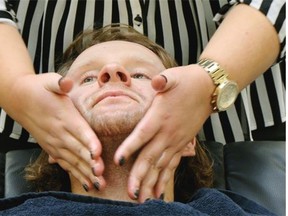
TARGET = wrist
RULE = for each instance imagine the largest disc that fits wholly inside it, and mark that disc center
(13, 103)
(205, 88)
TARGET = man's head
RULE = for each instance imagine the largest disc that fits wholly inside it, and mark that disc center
(112, 85)
(111, 70)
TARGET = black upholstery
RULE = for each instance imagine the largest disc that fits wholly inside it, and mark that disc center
(2, 174)
(216, 151)
(14, 171)
(256, 170)
(253, 169)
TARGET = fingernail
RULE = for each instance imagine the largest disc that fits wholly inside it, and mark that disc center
(164, 77)
(59, 81)
(136, 194)
(122, 161)
(85, 187)
(97, 185)
(161, 196)
(91, 155)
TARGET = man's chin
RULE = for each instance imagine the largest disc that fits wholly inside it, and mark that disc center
(114, 123)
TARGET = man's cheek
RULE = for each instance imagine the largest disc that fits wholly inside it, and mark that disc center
(151, 96)
(73, 97)
(148, 102)
(77, 100)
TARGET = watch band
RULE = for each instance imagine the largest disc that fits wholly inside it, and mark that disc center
(220, 79)
(217, 74)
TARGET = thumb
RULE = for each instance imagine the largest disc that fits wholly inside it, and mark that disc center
(65, 84)
(58, 84)
(163, 83)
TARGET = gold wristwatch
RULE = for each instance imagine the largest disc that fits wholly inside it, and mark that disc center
(226, 90)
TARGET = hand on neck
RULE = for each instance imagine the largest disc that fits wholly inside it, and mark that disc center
(116, 177)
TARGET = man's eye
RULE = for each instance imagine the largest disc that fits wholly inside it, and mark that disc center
(140, 76)
(90, 79)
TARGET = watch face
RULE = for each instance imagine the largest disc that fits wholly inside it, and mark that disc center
(227, 95)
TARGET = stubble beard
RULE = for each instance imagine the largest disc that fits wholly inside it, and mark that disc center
(113, 128)
(115, 124)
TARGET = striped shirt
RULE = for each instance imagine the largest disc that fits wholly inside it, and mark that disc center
(182, 27)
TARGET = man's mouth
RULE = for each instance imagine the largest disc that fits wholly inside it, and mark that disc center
(113, 95)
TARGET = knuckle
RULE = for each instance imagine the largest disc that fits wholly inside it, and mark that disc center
(149, 159)
(65, 166)
(144, 130)
(80, 151)
(136, 179)
(76, 164)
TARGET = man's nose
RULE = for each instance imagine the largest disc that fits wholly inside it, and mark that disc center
(114, 73)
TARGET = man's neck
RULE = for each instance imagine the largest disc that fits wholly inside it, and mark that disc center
(116, 177)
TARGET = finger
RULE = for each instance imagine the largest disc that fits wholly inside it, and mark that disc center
(75, 161)
(147, 186)
(163, 82)
(144, 162)
(97, 166)
(88, 182)
(75, 172)
(76, 164)
(65, 84)
(166, 175)
(57, 84)
(159, 173)
(73, 146)
(159, 82)
(144, 131)
(134, 181)
(165, 157)
(85, 137)
(163, 180)
(74, 151)
(77, 128)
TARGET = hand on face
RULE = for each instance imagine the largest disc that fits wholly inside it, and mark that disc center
(68, 140)
(177, 113)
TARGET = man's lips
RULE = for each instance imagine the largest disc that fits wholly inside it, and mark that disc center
(108, 94)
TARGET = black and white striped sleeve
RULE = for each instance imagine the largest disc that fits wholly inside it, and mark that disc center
(7, 15)
(274, 10)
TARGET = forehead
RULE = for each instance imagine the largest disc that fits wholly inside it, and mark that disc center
(117, 50)
(123, 46)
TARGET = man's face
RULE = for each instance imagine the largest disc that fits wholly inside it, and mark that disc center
(112, 85)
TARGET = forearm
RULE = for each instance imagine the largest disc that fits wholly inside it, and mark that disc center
(15, 62)
(245, 44)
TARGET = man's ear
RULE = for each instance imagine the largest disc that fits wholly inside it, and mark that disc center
(190, 149)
